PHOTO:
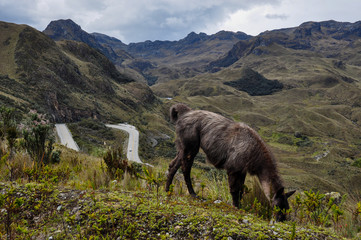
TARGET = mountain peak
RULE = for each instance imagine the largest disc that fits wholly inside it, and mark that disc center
(68, 30)
(63, 29)
(194, 37)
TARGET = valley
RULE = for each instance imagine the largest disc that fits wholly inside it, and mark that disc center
(299, 88)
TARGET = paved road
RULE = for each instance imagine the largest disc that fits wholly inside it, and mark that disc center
(133, 141)
(65, 136)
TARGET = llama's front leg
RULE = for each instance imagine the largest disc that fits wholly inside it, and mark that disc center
(236, 181)
(173, 167)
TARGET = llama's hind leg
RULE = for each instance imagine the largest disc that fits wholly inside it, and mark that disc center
(187, 162)
(236, 181)
(173, 167)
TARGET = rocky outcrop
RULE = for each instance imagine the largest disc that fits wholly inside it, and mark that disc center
(255, 84)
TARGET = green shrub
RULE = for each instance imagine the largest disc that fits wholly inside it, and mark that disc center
(38, 137)
(116, 163)
(357, 163)
(8, 128)
(7, 120)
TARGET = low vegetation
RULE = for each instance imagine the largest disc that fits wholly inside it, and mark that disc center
(80, 196)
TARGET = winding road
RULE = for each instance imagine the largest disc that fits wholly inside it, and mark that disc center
(133, 141)
(65, 136)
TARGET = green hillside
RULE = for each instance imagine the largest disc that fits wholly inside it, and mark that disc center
(66, 79)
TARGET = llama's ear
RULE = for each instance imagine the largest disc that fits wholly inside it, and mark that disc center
(280, 191)
(289, 194)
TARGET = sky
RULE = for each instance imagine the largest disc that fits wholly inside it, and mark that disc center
(141, 20)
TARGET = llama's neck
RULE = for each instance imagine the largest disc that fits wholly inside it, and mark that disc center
(270, 180)
(268, 175)
(270, 185)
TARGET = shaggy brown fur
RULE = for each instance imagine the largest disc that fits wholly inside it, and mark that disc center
(229, 145)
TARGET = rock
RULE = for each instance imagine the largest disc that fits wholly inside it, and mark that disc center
(335, 195)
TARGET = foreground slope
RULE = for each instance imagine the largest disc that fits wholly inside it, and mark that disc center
(116, 214)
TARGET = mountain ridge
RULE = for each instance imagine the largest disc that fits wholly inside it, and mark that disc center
(304, 37)
(165, 56)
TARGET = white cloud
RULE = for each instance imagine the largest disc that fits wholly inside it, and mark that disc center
(140, 20)
(289, 13)
(136, 20)
(276, 16)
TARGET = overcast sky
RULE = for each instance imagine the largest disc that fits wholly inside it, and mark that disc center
(140, 20)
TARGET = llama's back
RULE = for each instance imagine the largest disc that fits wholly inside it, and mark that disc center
(234, 146)
(227, 144)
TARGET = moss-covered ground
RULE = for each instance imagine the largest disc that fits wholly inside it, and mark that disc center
(46, 211)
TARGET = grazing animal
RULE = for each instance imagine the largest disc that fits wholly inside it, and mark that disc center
(228, 145)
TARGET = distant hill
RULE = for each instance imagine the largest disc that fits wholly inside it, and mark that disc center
(67, 79)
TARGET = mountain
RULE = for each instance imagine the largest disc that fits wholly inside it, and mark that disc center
(66, 79)
(194, 48)
(156, 61)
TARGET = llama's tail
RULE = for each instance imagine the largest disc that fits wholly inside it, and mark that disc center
(178, 110)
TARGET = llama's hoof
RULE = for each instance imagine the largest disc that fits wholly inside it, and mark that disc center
(195, 196)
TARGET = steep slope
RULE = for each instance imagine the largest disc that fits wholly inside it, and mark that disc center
(67, 79)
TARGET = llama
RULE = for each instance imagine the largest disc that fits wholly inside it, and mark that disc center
(228, 145)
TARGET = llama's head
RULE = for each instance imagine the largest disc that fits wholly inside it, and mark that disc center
(280, 199)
